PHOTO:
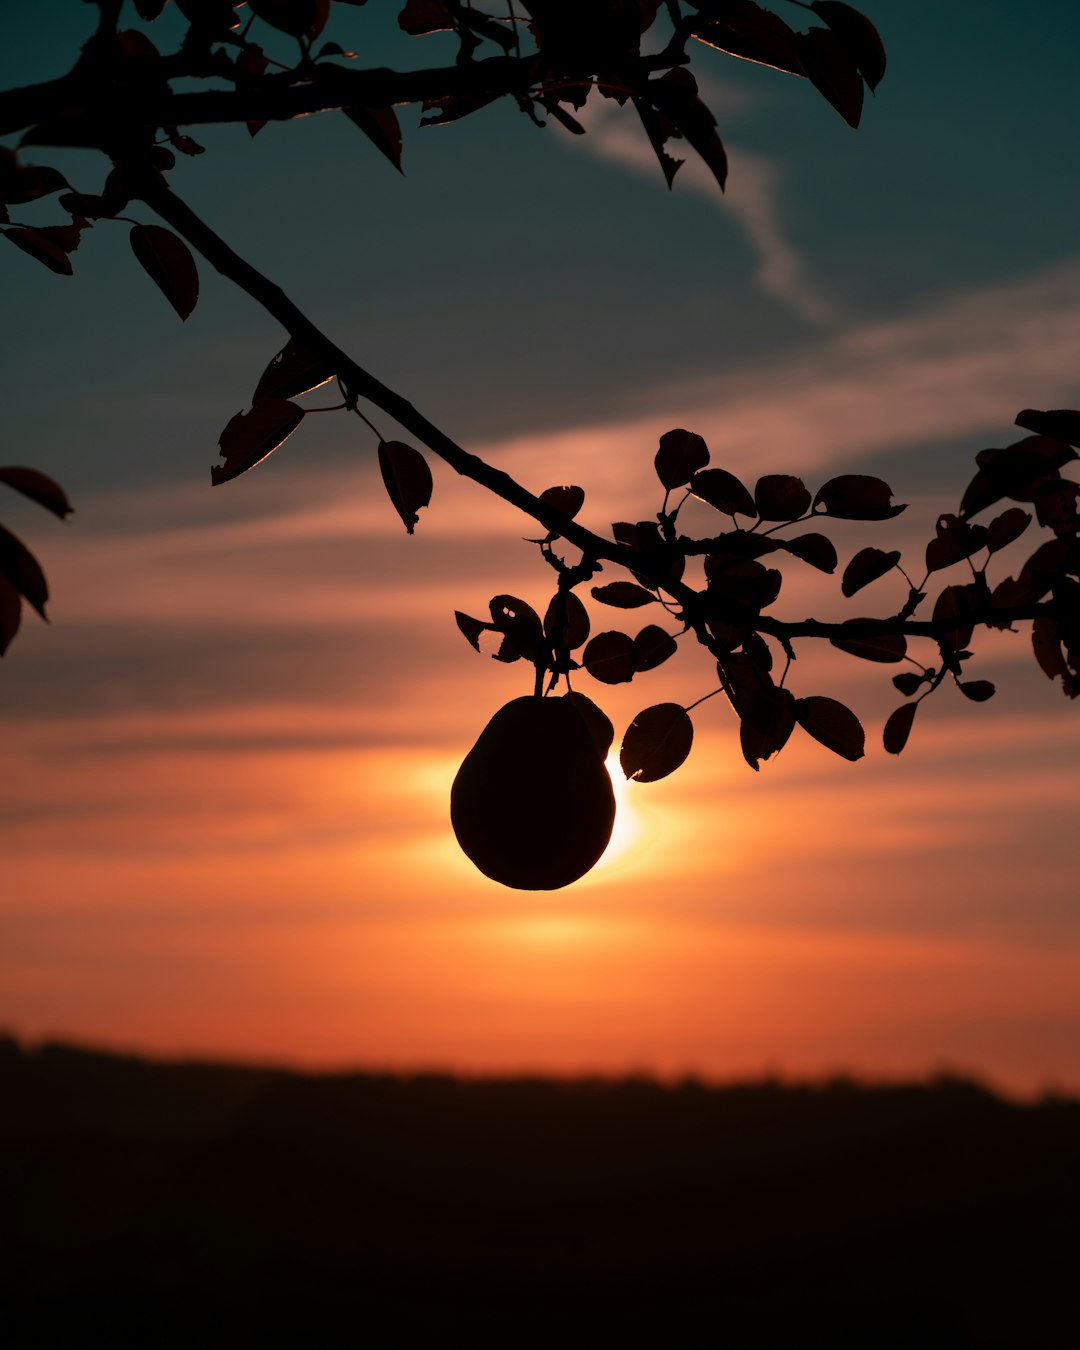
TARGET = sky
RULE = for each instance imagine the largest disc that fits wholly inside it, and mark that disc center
(225, 763)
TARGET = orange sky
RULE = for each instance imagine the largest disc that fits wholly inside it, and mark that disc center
(271, 873)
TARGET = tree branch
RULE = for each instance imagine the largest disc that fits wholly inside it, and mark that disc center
(77, 96)
(361, 384)
(898, 623)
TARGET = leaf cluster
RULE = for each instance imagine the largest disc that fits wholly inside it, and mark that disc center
(728, 608)
(269, 61)
(21, 577)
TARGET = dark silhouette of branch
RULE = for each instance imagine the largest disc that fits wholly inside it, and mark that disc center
(361, 384)
(83, 106)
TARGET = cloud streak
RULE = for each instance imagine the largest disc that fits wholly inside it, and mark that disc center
(752, 199)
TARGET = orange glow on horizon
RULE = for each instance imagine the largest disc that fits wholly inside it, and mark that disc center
(270, 872)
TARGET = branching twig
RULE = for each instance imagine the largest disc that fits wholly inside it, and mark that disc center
(361, 384)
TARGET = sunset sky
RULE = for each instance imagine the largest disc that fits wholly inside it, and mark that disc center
(225, 764)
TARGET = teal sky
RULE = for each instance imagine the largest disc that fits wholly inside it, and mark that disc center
(514, 260)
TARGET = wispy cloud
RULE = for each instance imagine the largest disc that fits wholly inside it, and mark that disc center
(752, 199)
(963, 367)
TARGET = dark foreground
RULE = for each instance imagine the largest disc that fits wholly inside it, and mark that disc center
(146, 1204)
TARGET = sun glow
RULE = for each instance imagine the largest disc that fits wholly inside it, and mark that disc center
(627, 825)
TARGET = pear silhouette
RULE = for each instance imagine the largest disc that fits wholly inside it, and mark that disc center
(532, 805)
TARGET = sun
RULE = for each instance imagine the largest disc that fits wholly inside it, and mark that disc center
(627, 826)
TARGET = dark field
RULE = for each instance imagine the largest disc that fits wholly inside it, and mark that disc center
(146, 1204)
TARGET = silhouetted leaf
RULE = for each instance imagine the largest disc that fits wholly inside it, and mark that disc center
(831, 69)
(471, 628)
(1060, 424)
(1049, 562)
(742, 28)
(508, 612)
(169, 263)
(909, 683)
(976, 690)
(652, 647)
(955, 540)
(1008, 594)
(39, 246)
(623, 595)
(866, 566)
(79, 204)
(768, 720)
(381, 127)
(334, 49)
(598, 722)
(1046, 643)
(737, 547)
(292, 372)
(571, 35)
(815, 549)
(21, 183)
(253, 435)
(136, 46)
(980, 493)
(609, 658)
(883, 647)
(955, 602)
(658, 133)
(749, 584)
(149, 10)
(1014, 471)
(664, 561)
(657, 741)
(22, 569)
(780, 496)
(217, 18)
(1055, 505)
(38, 488)
(723, 491)
(680, 455)
(1003, 529)
(833, 724)
(298, 18)
(744, 675)
(675, 94)
(520, 625)
(425, 16)
(898, 728)
(567, 499)
(407, 478)
(859, 36)
(10, 613)
(856, 496)
(574, 627)
(758, 653)
(65, 237)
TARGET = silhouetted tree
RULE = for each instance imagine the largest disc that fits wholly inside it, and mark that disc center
(136, 105)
